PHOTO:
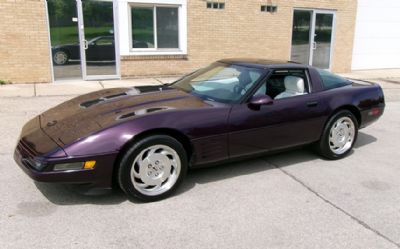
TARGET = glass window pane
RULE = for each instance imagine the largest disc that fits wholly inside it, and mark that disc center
(330, 80)
(64, 39)
(167, 27)
(301, 36)
(99, 32)
(220, 82)
(322, 38)
(142, 27)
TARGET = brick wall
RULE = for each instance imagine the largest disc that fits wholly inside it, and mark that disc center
(242, 30)
(24, 46)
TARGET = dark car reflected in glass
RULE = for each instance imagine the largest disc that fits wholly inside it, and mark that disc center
(100, 48)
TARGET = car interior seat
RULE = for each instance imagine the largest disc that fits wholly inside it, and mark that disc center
(293, 86)
(275, 85)
(244, 82)
(244, 78)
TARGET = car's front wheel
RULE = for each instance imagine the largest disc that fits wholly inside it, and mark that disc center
(339, 136)
(153, 168)
(60, 57)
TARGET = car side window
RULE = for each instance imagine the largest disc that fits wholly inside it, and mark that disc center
(330, 80)
(285, 83)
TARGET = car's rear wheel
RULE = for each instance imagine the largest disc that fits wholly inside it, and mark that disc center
(60, 57)
(339, 135)
(153, 168)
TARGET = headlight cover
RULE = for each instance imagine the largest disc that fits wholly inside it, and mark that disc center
(87, 165)
(68, 166)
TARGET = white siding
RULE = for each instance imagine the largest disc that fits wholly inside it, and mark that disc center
(377, 36)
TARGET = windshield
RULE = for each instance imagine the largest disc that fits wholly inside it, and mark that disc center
(220, 82)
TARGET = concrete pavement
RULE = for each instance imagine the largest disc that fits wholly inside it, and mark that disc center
(290, 200)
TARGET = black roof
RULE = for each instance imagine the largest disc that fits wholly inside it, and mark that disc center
(262, 63)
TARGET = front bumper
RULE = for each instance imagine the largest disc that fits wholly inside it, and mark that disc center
(99, 177)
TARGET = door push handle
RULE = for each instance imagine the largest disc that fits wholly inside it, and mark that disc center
(85, 44)
(312, 103)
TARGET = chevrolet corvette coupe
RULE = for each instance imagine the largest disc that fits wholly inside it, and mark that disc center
(144, 139)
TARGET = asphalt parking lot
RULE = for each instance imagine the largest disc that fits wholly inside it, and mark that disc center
(289, 200)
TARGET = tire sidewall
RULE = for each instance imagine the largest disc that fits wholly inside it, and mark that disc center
(324, 147)
(126, 164)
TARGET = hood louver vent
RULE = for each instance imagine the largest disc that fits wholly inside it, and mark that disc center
(92, 102)
(142, 112)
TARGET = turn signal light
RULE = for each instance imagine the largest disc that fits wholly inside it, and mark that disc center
(89, 164)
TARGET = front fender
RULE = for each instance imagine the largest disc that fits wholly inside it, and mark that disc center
(192, 123)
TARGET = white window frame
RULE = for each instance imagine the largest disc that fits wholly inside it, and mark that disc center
(125, 27)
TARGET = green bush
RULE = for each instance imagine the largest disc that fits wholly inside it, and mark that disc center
(4, 82)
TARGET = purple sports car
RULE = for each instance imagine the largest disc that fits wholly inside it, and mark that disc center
(144, 139)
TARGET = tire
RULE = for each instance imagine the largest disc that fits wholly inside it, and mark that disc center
(339, 136)
(153, 168)
(60, 57)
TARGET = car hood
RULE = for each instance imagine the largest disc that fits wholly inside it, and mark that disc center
(87, 114)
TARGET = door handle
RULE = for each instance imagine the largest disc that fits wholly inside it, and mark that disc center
(312, 103)
(85, 44)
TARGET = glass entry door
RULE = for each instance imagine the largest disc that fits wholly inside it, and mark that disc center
(323, 26)
(97, 39)
(64, 39)
(82, 39)
(312, 37)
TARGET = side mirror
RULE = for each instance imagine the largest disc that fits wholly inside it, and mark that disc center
(257, 101)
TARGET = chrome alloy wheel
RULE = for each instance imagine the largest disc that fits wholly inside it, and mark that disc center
(155, 170)
(341, 135)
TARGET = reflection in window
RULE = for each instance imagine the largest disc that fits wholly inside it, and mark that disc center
(142, 28)
(104, 41)
(167, 27)
(164, 33)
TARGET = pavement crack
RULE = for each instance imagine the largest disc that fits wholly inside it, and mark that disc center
(359, 221)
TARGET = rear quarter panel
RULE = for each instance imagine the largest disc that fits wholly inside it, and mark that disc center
(362, 97)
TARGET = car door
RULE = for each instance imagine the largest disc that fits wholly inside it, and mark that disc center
(286, 122)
